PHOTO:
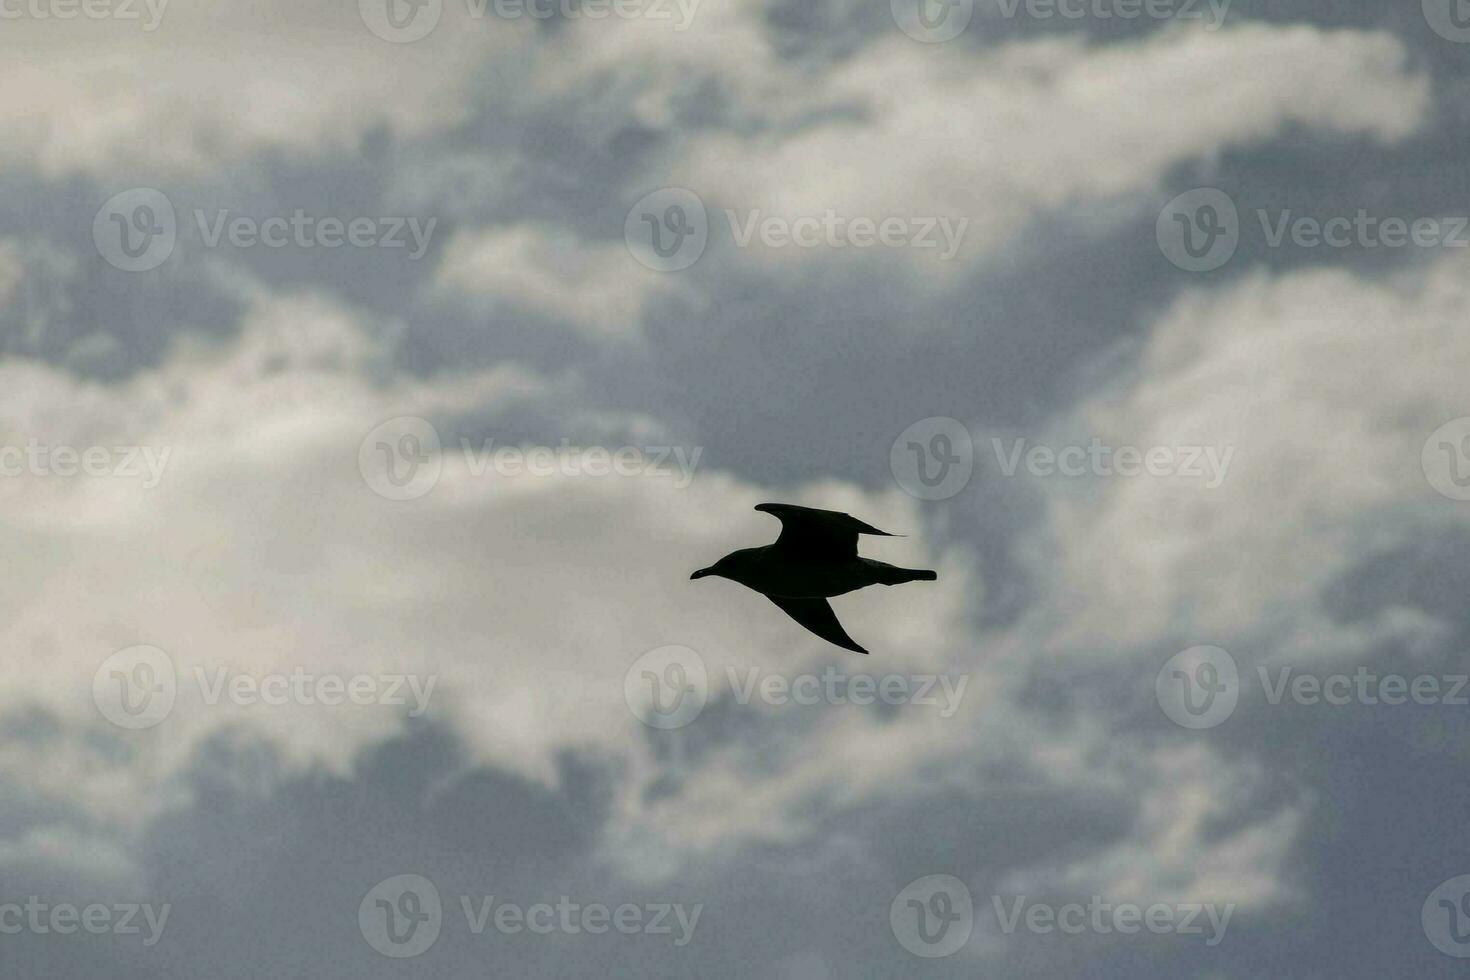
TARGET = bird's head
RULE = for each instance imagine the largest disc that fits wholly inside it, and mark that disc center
(732, 566)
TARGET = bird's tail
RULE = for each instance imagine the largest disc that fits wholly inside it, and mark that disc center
(892, 575)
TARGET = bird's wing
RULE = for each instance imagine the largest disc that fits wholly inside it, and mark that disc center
(821, 534)
(816, 615)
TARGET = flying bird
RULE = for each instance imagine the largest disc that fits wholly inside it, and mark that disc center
(814, 558)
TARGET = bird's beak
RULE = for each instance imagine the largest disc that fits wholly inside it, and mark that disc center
(702, 573)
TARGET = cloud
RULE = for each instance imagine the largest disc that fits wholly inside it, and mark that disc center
(596, 287)
(527, 598)
(1035, 127)
(1290, 370)
(216, 82)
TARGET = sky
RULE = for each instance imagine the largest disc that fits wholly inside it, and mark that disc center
(376, 373)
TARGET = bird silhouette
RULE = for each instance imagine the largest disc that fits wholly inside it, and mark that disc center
(814, 558)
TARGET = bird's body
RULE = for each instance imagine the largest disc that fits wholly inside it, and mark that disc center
(814, 558)
(775, 571)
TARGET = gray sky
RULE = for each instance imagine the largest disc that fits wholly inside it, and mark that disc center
(376, 376)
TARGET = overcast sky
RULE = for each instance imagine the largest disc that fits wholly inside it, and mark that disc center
(374, 377)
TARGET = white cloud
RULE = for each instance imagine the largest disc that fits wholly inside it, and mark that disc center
(262, 550)
(1328, 386)
(1032, 127)
(1175, 851)
(596, 287)
(217, 81)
